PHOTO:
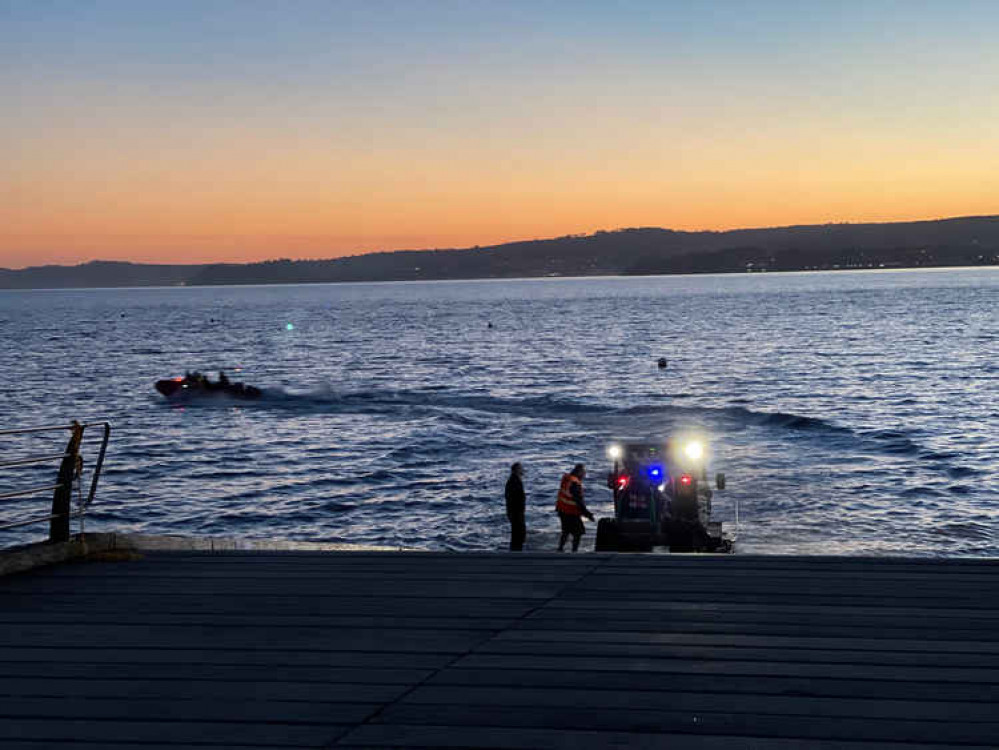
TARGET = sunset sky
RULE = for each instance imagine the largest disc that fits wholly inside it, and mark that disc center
(190, 132)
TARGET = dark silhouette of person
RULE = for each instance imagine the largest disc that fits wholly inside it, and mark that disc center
(516, 502)
(570, 507)
(223, 380)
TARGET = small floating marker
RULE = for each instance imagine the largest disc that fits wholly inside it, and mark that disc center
(489, 324)
(289, 327)
(663, 364)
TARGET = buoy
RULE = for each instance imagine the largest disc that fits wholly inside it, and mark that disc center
(663, 363)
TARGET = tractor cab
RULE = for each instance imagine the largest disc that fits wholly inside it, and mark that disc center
(662, 498)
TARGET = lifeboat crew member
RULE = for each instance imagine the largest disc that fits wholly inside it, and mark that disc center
(570, 507)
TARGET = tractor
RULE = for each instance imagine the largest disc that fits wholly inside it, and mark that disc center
(662, 498)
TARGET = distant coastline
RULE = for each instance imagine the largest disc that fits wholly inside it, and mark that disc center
(964, 241)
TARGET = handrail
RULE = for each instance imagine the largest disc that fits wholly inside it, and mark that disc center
(100, 462)
(70, 472)
(28, 522)
(47, 428)
(31, 460)
(30, 491)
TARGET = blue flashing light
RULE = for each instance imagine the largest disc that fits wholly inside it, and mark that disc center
(656, 472)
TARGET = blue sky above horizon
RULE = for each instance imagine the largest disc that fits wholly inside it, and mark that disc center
(245, 130)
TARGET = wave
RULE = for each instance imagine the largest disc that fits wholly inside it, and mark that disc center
(964, 530)
(476, 411)
(327, 399)
(472, 411)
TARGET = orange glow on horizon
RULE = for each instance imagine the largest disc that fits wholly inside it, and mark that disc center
(244, 200)
(93, 240)
(443, 125)
(20, 251)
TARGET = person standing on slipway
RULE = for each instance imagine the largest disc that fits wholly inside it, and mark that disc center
(570, 507)
(516, 501)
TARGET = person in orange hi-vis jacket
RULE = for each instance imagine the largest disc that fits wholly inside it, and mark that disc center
(571, 508)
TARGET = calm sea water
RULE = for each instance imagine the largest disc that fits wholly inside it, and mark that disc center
(853, 413)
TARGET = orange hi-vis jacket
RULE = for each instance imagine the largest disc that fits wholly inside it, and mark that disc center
(565, 503)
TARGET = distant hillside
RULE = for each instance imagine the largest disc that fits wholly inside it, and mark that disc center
(967, 241)
(97, 273)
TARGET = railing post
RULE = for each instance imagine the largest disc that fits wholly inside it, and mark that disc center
(63, 496)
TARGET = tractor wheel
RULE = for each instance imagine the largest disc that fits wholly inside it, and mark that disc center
(607, 536)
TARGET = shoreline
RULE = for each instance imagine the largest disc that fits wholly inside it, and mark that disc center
(489, 279)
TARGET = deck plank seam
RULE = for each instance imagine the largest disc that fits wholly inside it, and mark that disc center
(399, 699)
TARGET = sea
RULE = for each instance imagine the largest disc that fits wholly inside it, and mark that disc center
(852, 412)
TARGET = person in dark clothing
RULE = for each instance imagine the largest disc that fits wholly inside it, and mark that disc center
(570, 507)
(516, 501)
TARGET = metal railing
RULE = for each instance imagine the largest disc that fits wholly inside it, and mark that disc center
(69, 476)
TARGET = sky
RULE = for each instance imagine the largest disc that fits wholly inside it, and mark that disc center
(224, 131)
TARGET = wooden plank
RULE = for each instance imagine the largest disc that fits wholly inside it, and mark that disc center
(711, 684)
(650, 569)
(827, 611)
(179, 708)
(493, 737)
(763, 669)
(680, 700)
(11, 658)
(287, 620)
(538, 621)
(704, 722)
(925, 658)
(669, 607)
(607, 562)
(112, 600)
(801, 562)
(653, 568)
(97, 653)
(200, 636)
(84, 745)
(770, 640)
(383, 674)
(807, 572)
(598, 577)
(782, 592)
(933, 605)
(658, 564)
(131, 576)
(61, 732)
(303, 562)
(226, 691)
(418, 555)
(294, 588)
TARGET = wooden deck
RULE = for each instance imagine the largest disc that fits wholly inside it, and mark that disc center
(372, 649)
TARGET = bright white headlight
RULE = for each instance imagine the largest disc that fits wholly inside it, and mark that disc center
(614, 452)
(693, 450)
